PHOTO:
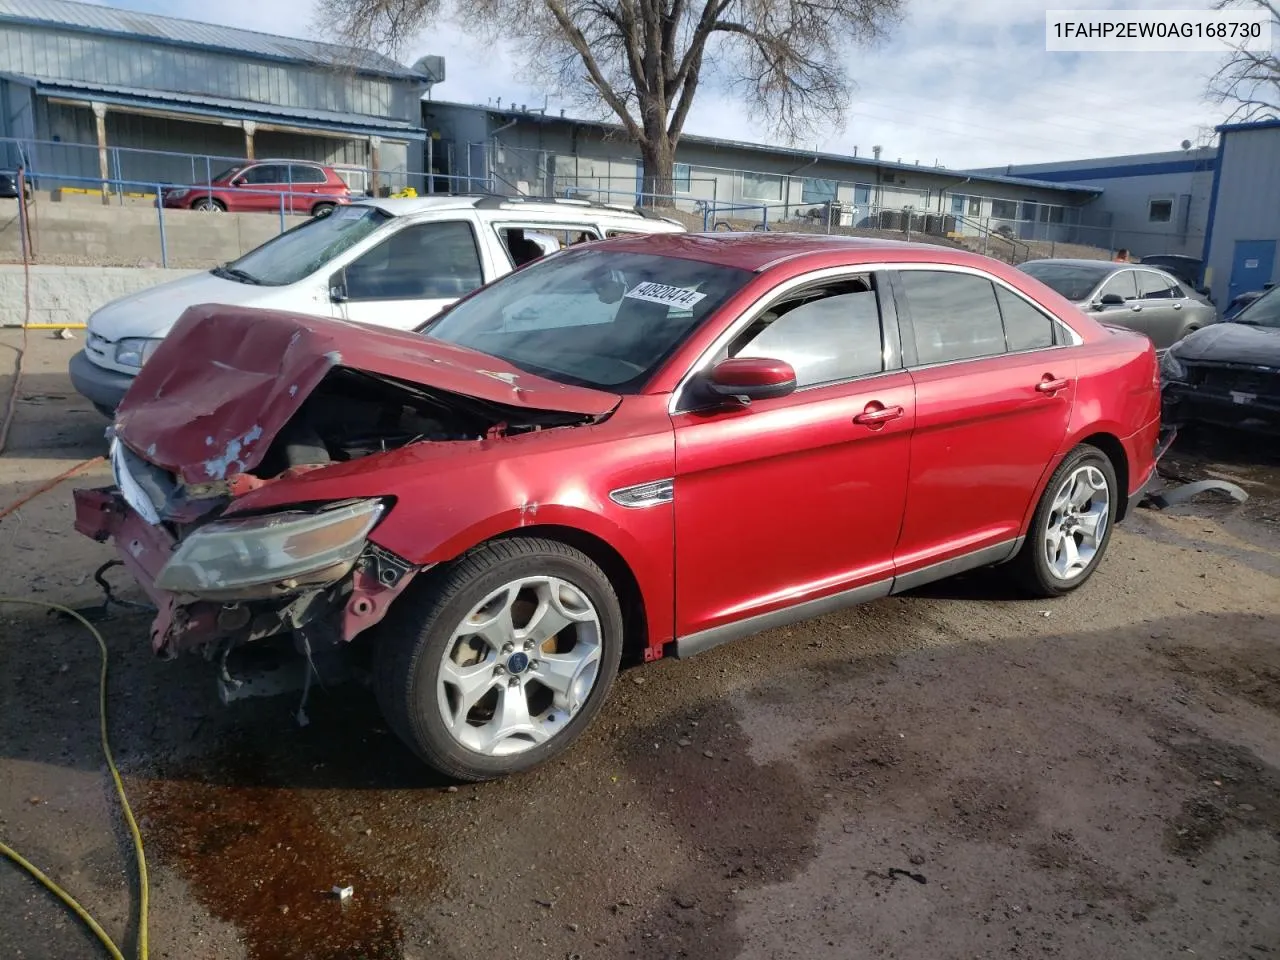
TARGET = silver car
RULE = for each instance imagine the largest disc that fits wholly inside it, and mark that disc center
(1139, 297)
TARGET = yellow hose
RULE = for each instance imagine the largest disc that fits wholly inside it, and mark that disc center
(143, 883)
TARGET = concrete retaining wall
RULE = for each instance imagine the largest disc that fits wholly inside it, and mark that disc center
(65, 294)
(90, 233)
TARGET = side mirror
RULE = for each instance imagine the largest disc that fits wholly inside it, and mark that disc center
(1111, 300)
(752, 378)
(338, 287)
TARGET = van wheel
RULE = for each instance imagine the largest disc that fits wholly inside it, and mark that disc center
(500, 661)
(1071, 527)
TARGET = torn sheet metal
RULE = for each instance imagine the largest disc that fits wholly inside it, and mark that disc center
(227, 379)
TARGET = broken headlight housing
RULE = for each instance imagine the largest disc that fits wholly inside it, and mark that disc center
(231, 554)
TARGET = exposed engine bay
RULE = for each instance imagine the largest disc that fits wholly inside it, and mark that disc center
(353, 414)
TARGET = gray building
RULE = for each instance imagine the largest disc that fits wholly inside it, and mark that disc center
(1151, 203)
(90, 91)
(526, 151)
(1242, 246)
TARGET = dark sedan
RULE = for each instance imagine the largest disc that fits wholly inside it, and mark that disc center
(1129, 295)
(1228, 374)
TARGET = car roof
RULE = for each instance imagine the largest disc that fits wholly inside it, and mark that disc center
(403, 206)
(759, 251)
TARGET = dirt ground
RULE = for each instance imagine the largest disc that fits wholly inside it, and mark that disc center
(952, 773)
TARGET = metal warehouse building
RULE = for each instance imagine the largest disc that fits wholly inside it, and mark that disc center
(1151, 203)
(527, 151)
(1242, 249)
(95, 92)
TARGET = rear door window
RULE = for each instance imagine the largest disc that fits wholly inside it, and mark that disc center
(954, 316)
(1152, 286)
(305, 173)
(1025, 326)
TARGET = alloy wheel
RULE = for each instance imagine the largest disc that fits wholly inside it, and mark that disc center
(519, 666)
(1077, 522)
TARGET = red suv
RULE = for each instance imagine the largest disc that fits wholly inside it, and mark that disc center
(259, 185)
(653, 444)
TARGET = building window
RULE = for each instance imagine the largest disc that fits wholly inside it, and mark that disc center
(1051, 214)
(1004, 209)
(818, 191)
(861, 194)
(682, 178)
(1160, 211)
(975, 206)
(957, 204)
(761, 186)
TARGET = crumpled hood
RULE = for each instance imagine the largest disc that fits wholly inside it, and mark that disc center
(152, 312)
(227, 379)
(1231, 343)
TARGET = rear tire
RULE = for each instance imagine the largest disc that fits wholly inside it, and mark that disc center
(322, 209)
(1071, 527)
(474, 707)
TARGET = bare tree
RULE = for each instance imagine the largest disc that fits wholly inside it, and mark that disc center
(1249, 80)
(642, 61)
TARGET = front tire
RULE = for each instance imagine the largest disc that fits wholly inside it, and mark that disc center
(208, 205)
(498, 662)
(1071, 527)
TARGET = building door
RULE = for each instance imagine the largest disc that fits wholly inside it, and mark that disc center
(1251, 266)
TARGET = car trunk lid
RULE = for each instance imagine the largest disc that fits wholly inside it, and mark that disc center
(224, 383)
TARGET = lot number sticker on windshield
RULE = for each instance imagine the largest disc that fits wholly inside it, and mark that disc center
(669, 296)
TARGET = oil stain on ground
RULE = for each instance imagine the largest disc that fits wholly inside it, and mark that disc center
(258, 857)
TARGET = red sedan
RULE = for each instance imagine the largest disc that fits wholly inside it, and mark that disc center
(265, 186)
(649, 445)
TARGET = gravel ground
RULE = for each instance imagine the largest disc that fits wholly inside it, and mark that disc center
(952, 773)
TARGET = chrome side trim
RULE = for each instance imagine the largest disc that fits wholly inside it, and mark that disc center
(987, 556)
(703, 640)
(649, 494)
(695, 643)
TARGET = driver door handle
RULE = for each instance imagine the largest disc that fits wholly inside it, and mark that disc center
(877, 416)
(1052, 385)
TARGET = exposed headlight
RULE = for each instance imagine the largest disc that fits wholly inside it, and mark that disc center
(1171, 367)
(229, 554)
(135, 351)
(176, 194)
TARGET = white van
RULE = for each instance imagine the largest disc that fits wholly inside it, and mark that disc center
(393, 263)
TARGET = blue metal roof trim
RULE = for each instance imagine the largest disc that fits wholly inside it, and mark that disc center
(1127, 170)
(92, 18)
(220, 107)
(1250, 125)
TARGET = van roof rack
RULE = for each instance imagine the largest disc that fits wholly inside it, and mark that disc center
(498, 201)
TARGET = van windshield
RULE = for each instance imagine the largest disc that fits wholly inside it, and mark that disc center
(300, 252)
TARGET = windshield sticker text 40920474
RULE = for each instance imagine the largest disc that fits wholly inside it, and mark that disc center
(661, 293)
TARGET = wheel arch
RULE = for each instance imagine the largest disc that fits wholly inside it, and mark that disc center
(1114, 450)
(635, 616)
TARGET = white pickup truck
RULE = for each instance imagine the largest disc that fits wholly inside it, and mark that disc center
(393, 263)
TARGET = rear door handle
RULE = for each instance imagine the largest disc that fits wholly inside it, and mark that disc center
(875, 416)
(1177, 306)
(1136, 308)
(1052, 385)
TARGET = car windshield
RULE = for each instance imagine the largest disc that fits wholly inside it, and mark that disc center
(1075, 281)
(300, 252)
(1263, 312)
(590, 317)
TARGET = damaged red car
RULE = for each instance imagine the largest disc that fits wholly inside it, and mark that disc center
(646, 446)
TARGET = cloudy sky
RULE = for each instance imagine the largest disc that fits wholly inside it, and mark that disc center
(959, 83)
